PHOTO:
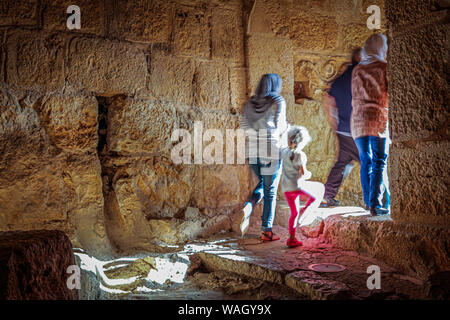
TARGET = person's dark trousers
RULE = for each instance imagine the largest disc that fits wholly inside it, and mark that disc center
(348, 152)
(267, 189)
(373, 155)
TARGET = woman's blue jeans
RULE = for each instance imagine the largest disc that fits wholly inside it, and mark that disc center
(267, 188)
(373, 155)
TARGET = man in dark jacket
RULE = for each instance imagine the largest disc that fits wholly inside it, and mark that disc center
(338, 109)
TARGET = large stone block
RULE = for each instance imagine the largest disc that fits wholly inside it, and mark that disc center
(143, 20)
(162, 188)
(41, 185)
(34, 266)
(153, 188)
(238, 88)
(418, 92)
(21, 135)
(19, 12)
(314, 33)
(416, 249)
(70, 121)
(192, 33)
(212, 86)
(55, 15)
(44, 197)
(210, 119)
(140, 126)
(86, 220)
(35, 61)
(227, 35)
(171, 79)
(222, 186)
(277, 13)
(106, 67)
(354, 35)
(409, 12)
(419, 250)
(270, 55)
(419, 182)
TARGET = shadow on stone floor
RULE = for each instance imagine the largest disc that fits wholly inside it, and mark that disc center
(230, 267)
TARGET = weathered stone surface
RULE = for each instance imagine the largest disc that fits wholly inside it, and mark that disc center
(318, 33)
(86, 220)
(415, 249)
(192, 34)
(227, 37)
(92, 16)
(212, 86)
(143, 20)
(171, 78)
(270, 55)
(353, 233)
(238, 264)
(437, 286)
(70, 121)
(418, 107)
(316, 287)
(140, 126)
(106, 67)
(279, 13)
(29, 164)
(34, 265)
(238, 88)
(401, 13)
(57, 189)
(19, 12)
(223, 186)
(314, 228)
(354, 35)
(35, 61)
(419, 183)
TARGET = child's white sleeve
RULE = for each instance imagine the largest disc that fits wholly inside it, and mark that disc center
(297, 159)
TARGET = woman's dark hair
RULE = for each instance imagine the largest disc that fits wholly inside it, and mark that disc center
(270, 84)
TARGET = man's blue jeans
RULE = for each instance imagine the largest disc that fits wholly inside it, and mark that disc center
(373, 156)
(267, 188)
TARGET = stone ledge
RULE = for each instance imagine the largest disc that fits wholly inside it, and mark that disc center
(416, 250)
(353, 233)
(33, 265)
(316, 287)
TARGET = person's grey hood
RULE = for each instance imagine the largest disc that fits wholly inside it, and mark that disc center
(267, 92)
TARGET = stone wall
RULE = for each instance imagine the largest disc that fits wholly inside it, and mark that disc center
(418, 115)
(87, 115)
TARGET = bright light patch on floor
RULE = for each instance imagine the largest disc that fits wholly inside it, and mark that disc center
(166, 270)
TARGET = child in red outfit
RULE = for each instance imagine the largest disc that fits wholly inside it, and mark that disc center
(295, 184)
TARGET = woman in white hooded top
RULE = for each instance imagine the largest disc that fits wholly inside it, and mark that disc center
(264, 122)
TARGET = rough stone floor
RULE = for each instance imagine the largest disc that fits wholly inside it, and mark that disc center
(230, 267)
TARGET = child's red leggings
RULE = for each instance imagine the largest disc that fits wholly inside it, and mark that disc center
(291, 196)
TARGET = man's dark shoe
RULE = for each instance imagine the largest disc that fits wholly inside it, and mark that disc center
(378, 211)
(327, 203)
